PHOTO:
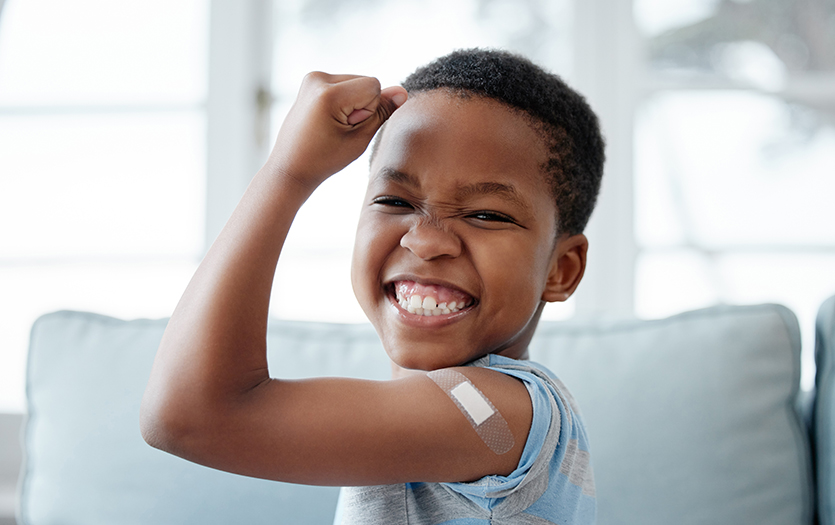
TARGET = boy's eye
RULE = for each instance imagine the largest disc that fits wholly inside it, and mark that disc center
(490, 216)
(394, 202)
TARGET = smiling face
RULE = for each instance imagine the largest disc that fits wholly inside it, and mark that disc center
(457, 248)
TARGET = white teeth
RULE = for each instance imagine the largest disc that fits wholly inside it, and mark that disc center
(427, 306)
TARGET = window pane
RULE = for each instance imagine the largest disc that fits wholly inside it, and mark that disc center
(127, 290)
(102, 185)
(655, 17)
(729, 169)
(733, 188)
(102, 207)
(668, 282)
(753, 40)
(330, 35)
(674, 281)
(57, 52)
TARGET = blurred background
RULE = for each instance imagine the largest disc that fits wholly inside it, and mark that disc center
(128, 131)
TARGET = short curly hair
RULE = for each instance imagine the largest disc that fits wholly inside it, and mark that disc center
(561, 115)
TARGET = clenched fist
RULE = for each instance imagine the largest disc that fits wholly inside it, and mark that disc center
(331, 123)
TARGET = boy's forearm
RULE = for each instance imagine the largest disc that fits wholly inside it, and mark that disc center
(226, 304)
(214, 348)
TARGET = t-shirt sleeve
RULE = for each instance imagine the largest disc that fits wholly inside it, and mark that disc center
(485, 490)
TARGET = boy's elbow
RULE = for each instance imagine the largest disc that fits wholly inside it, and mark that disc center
(152, 432)
(153, 429)
(163, 426)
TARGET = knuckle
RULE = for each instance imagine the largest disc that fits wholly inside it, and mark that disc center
(315, 77)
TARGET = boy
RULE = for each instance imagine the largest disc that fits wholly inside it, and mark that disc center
(480, 186)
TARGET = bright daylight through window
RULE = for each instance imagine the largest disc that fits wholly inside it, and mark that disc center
(102, 126)
(735, 157)
(118, 163)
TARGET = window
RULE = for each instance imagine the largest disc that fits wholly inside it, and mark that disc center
(127, 137)
(102, 183)
(735, 157)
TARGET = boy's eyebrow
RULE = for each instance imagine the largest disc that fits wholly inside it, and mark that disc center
(398, 176)
(505, 191)
(499, 189)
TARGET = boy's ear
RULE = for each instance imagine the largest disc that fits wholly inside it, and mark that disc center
(568, 263)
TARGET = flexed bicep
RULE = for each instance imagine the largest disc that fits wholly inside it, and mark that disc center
(334, 431)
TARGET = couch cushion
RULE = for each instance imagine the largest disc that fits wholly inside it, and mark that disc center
(691, 419)
(824, 414)
(86, 461)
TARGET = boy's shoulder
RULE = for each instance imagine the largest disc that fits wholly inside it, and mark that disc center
(523, 369)
(547, 395)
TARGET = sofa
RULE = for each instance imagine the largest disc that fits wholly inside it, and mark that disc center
(697, 418)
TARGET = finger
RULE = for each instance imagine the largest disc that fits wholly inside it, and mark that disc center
(358, 98)
(390, 99)
(396, 94)
(336, 79)
(358, 115)
(327, 78)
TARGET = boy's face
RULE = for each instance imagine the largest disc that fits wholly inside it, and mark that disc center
(457, 210)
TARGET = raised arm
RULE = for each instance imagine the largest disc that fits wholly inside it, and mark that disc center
(210, 398)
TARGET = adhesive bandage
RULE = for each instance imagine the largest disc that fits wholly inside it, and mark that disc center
(479, 411)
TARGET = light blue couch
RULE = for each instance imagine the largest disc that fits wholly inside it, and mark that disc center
(693, 419)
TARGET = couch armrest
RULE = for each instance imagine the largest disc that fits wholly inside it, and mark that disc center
(824, 414)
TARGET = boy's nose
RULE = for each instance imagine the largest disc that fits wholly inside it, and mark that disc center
(430, 241)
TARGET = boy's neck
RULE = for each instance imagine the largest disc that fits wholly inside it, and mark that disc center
(398, 372)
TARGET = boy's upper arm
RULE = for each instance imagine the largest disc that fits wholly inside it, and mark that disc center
(335, 431)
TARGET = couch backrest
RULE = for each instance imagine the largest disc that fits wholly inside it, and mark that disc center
(692, 420)
(85, 461)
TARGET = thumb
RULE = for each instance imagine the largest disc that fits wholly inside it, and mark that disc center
(396, 94)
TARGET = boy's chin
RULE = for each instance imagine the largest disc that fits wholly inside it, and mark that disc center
(427, 357)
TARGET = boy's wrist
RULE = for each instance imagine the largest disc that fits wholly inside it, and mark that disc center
(289, 179)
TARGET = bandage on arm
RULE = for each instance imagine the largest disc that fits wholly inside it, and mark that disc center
(488, 423)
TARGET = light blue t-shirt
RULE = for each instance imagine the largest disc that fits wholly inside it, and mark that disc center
(553, 483)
